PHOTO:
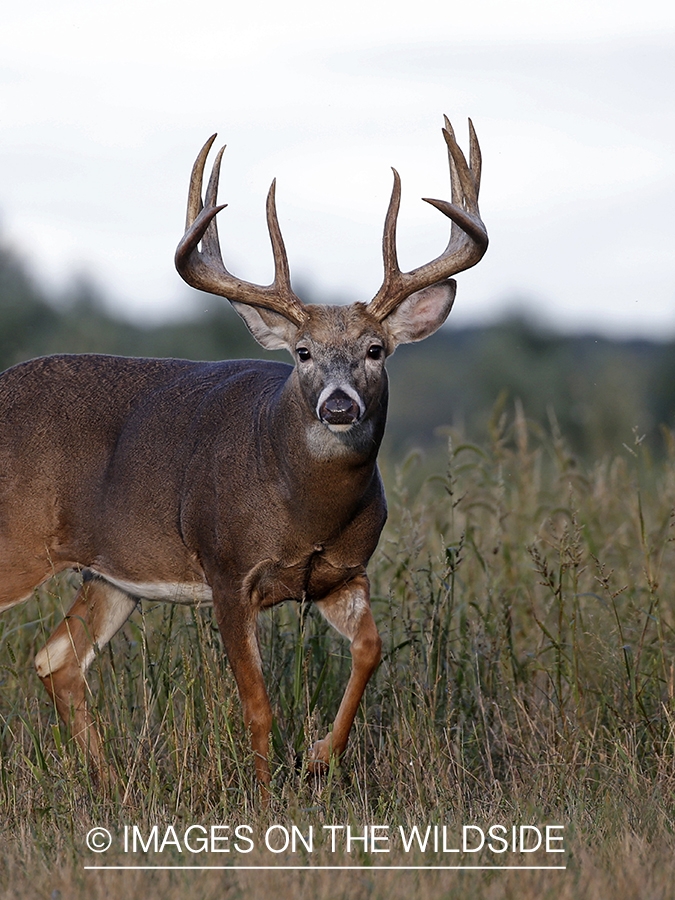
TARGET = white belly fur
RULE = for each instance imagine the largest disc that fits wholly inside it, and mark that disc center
(189, 594)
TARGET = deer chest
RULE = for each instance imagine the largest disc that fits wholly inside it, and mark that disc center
(272, 581)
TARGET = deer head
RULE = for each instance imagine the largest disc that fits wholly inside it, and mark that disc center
(340, 352)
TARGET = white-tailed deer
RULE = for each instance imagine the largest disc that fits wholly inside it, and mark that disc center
(238, 484)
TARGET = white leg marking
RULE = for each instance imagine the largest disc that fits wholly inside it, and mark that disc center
(117, 610)
(53, 655)
(344, 612)
(112, 614)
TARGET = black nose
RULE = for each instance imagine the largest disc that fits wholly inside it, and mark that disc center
(339, 409)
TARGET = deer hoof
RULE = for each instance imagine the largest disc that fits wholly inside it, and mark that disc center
(319, 756)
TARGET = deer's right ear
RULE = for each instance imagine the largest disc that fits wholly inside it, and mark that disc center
(270, 329)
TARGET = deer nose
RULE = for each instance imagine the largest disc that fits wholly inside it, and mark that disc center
(339, 409)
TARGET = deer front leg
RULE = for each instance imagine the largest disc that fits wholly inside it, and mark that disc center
(237, 623)
(348, 610)
(98, 612)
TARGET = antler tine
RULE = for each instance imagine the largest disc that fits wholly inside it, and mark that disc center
(475, 157)
(205, 270)
(393, 277)
(210, 241)
(455, 183)
(461, 171)
(195, 205)
(389, 237)
(456, 189)
(468, 235)
(282, 275)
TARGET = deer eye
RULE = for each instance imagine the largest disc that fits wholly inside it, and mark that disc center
(303, 354)
(375, 351)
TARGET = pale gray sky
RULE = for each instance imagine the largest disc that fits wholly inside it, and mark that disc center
(105, 105)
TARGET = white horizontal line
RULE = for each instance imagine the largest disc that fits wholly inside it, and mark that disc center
(330, 868)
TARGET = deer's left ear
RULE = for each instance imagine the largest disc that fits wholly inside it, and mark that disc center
(270, 329)
(421, 313)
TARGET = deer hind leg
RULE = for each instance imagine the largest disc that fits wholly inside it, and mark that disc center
(348, 611)
(98, 612)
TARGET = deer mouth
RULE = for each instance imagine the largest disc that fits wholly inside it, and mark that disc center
(339, 409)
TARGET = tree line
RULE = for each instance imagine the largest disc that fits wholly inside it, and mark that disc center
(598, 392)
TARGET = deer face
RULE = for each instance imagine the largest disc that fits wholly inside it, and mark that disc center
(340, 351)
(339, 357)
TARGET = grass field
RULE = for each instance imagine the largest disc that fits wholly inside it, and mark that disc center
(526, 603)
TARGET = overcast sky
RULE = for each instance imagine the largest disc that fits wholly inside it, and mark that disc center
(105, 105)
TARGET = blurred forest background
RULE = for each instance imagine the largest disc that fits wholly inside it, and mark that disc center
(598, 392)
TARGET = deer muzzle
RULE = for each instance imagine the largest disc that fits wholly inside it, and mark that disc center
(339, 408)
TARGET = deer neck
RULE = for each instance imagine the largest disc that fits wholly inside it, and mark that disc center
(319, 463)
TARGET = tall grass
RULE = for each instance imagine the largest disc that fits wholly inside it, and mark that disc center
(526, 606)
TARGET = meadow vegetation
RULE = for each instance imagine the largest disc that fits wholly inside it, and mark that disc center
(525, 599)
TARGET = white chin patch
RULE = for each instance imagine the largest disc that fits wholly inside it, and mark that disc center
(338, 428)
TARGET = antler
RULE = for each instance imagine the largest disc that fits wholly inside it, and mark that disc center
(205, 270)
(468, 235)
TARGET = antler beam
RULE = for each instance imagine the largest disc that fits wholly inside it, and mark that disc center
(468, 235)
(205, 269)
